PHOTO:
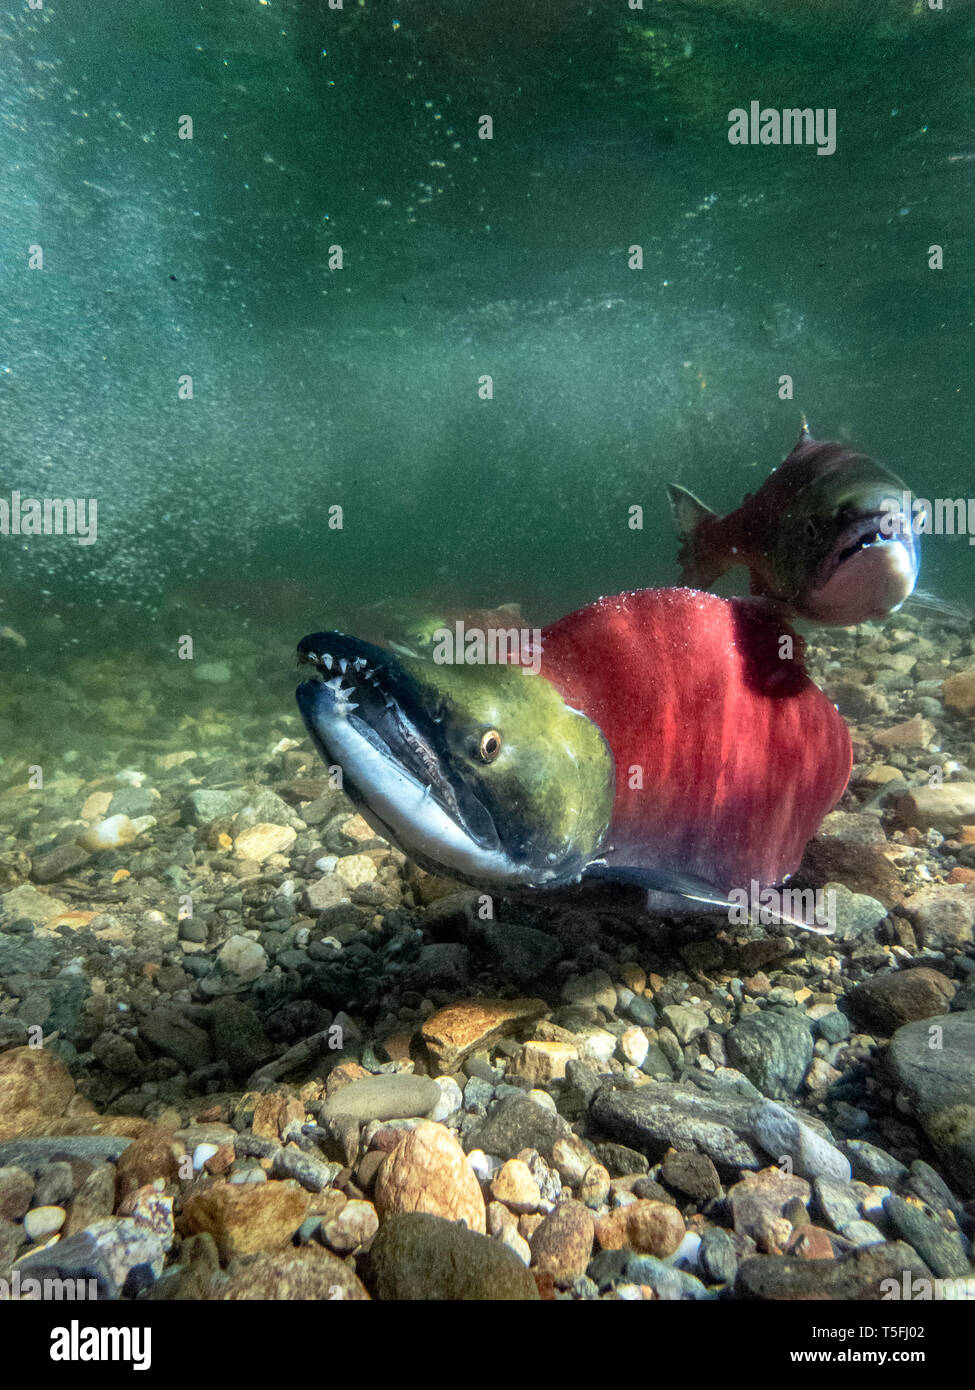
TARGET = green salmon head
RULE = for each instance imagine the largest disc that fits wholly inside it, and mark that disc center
(482, 773)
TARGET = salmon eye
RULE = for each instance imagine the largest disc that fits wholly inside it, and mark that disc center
(489, 746)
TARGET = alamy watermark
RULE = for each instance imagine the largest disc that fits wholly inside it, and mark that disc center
(29, 1289)
(805, 907)
(915, 1289)
(944, 516)
(492, 646)
(791, 126)
(50, 516)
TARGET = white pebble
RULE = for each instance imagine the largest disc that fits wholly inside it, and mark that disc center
(42, 1222)
(685, 1256)
(484, 1165)
(451, 1098)
(543, 1099)
(201, 1153)
(516, 1242)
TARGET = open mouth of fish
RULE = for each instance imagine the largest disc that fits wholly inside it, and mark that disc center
(874, 532)
(871, 560)
(367, 715)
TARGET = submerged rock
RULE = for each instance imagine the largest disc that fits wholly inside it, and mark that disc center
(418, 1257)
(936, 1072)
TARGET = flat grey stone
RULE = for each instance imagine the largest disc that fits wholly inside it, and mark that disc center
(395, 1096)
(32, 1154)
(662, 1115)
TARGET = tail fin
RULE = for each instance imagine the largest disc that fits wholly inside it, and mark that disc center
(700, 561)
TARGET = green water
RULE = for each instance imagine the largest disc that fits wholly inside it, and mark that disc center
(316, 387)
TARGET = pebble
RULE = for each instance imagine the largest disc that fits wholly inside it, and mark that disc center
(516, 1243)
(944, 916)
(839, 1202)
(595, 988)
(833, 1026)
(429, 1172)
(652, 1228)
(571, 1159)
(946, 808)
(201, 1153)
(912, 733)
(259, 842)
(641, 1012)
(32, 1080)
(593, 1191)
(248, 1219)
(391, 1096)
(932, 1189)
(716, 1256)
(596, 1046)
(152, 1211)
(242, 957)
(16, 1191)
(355, 1224)
(541, 1063)
(958, 691)
(810, 1243)
(887, 1001)
(94, 1200)
(515, 1186)
(114, 832)
(516, 1123)
(857, 914)
(861, 1233)
(451, 1098)
(562, 1244)
(943, 1251)
(521, 954)
(40, 1223)
(54, 1183)
(692, 1174)
(871, 1164)
(313, 1173)
(634, 1045)
(668, 1283)
(757, 1205)
(685, 1021)
(106, 1251)
(773, 1049)
(784, 1133)
(453, 1033)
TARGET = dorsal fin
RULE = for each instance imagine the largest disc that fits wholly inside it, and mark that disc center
(687, 510)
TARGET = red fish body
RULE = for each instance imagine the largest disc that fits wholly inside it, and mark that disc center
(727, 755)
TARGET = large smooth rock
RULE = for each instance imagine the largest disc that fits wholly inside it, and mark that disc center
(933, 1064)
(419, 1257)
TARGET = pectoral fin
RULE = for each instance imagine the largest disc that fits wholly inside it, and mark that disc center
(690, 891)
